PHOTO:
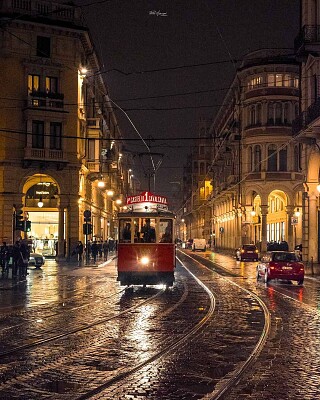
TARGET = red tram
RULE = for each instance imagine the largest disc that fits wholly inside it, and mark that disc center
(146, 249)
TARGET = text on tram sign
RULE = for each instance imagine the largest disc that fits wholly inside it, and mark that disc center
(146, 197)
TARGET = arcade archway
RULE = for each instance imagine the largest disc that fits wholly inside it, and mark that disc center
(41, 208)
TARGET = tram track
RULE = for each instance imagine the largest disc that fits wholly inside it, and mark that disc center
(24, 379)
(63, 311)
(228, 382)
(163, 352)
(73, 331)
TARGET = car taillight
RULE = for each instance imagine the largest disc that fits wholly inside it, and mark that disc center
(301, 268)
(271, 267)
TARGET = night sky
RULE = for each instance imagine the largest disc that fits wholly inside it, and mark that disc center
(151, 51)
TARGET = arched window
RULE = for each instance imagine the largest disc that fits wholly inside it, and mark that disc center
(272, 157)
(195, 167)
(257, 158)
(286, 116)
(270, 113)
(296, 156)
(250, 159)
(278, 114)
(252, 119)
(201, 168)
(283, 159)
(258, 114)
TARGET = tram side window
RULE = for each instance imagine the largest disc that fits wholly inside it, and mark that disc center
(148, 232)
(125, 231)
(165, 230)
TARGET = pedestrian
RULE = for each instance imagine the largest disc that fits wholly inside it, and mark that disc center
(111, 244)
(16, 258)
(4, 251)
(105, 248)
(100, 249)
(94, 251)
(79, 252)
(25, 253)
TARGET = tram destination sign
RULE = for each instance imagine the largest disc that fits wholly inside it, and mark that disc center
(147, 197)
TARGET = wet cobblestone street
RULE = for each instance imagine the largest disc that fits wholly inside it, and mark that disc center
(74, 333)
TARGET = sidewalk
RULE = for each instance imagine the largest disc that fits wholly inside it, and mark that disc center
(8, 283)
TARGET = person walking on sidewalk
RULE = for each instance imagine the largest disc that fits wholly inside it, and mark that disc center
(79, 252)
(94, 251)
(105, 248)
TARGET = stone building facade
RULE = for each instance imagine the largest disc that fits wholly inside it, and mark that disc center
(255, 164)
(61, 146)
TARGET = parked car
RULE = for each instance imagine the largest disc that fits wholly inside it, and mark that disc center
(199, 244)
(36, 260)
(280, 265)
(189, 244)
(247, 252)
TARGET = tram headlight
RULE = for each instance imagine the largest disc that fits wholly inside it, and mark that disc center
(144, 260)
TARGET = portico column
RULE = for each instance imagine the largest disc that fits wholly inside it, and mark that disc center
(313, 228)
(61, 234)
(63, 202)
(290, 210)
(264, 213)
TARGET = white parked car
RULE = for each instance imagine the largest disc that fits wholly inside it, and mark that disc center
(36, 260)
(199, 244)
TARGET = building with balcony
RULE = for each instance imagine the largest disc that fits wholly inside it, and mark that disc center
(255, 164)
(306, 127)
(61, 146)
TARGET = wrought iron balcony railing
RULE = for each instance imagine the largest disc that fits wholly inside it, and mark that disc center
(306, 117)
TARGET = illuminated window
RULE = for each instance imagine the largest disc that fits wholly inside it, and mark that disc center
(271, 80)
(255, 82)
(33, 83)
(51, 84)
(278, 80)
(287, 80)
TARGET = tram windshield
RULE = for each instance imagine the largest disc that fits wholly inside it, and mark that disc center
(145, 230)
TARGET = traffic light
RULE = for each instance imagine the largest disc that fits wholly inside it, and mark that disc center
(28, 226)
(19, 220)
(87, 216)
(87, 229)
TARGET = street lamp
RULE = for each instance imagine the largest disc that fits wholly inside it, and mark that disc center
(40, 202)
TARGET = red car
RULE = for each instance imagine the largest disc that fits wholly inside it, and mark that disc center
(280, 265)
(247, 252)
